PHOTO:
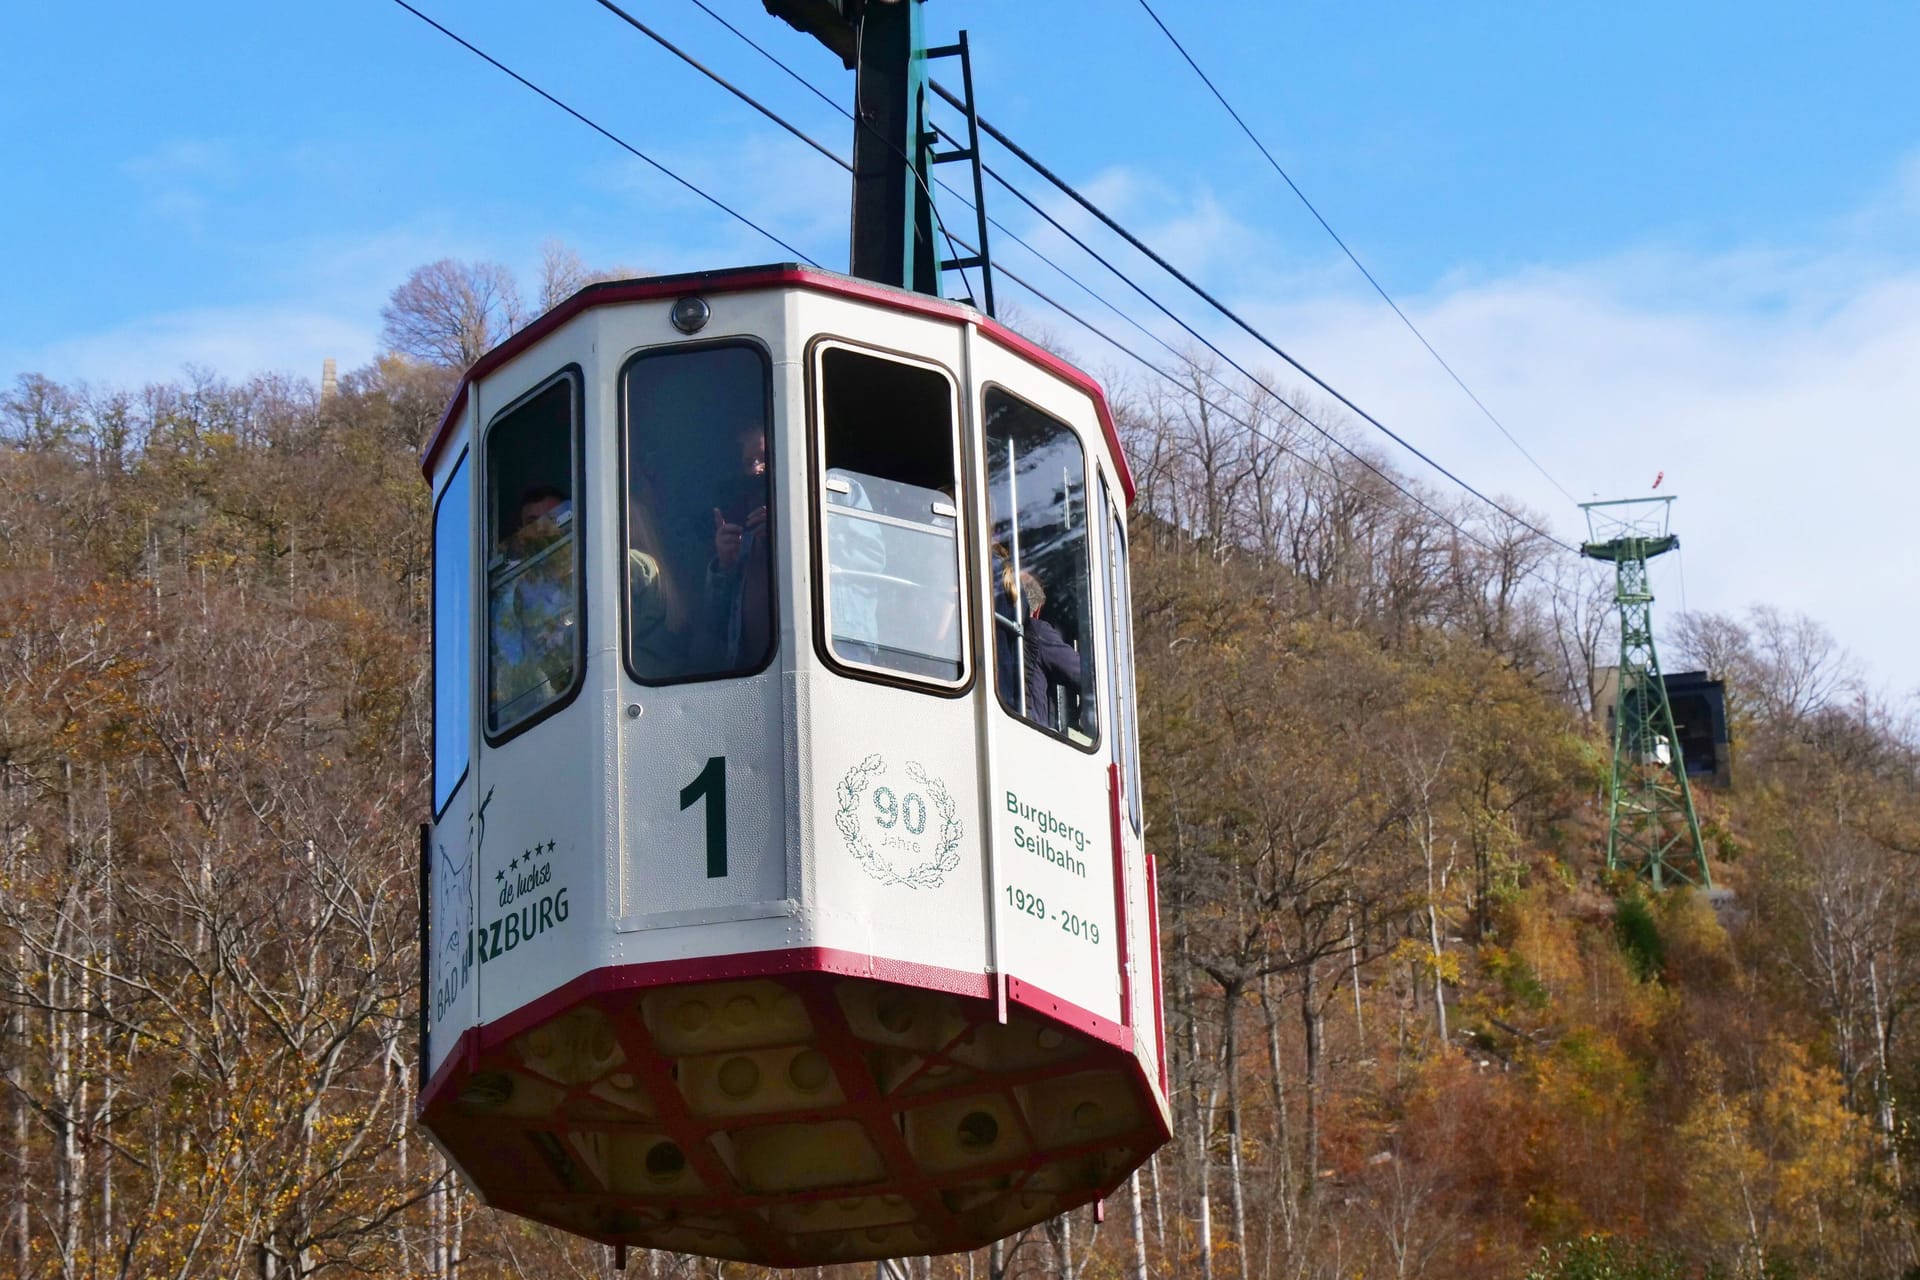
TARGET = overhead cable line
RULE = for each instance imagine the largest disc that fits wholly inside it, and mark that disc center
(610, 136)
(1250, 427)
(1085, 288)
(1244, 372)
(1071, 315)
(722, 81)
(1284, 446)
(1203, 376)
(628, 147)
(1351, 256)
(760, 49)
(992, 221)
(761, 107)
(1107, 220)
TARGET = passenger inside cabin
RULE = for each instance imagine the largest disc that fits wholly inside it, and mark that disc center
(698, 591)
(699, 497)
(1043, 582)
(533, 601)
(656, 606)
(1036, 664)
(736, 621)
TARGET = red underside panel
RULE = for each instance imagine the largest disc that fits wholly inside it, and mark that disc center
(794, 1118)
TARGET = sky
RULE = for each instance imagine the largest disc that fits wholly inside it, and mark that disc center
(1653, 238)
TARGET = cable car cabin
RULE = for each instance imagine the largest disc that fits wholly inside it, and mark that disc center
(785, 892)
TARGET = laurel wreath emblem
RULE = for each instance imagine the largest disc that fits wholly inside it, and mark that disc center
(930, 874)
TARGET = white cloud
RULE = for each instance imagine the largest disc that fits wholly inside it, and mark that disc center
(231, 341)
(1778, 389)
(179, 179)
(182, 158)
(795, 193)
(1776, 385)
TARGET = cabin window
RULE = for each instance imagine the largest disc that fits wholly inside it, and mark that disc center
(1126, 725)
(699, 513)
(891, 516)
(452, 636)
(1042, 570)
(534, 651)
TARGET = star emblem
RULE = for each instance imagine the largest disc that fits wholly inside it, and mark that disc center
(549, 846)
(514, 865)
(499, 875)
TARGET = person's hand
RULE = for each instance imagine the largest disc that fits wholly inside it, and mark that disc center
(726, 539)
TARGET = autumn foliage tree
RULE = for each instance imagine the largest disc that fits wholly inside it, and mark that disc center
(1408, 1033)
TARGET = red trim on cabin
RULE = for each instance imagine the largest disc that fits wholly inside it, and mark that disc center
(1123, 923)
(1153, 943)
(500, 1156)
(1040, 1000)
(745, 279)
(766, 964)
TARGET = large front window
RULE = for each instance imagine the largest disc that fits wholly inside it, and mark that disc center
(699, 513)
(1042, 596)
(892, 521)
(534, 650)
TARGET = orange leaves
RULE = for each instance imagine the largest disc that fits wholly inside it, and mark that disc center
(1776, 1166)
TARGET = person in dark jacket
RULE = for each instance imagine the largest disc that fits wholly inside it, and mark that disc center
(737, 629)
(1033, 657)
(1052, 664)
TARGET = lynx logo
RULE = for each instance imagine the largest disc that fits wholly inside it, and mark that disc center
(906, 835)
(451, 924)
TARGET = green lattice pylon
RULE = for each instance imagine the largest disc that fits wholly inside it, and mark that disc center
(1652, 829)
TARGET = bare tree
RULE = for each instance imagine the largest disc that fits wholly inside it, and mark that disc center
(1801, 668)
(1855, 905)
(452, 312)
(563, 274)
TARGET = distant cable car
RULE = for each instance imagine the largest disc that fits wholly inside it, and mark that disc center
(785, 896)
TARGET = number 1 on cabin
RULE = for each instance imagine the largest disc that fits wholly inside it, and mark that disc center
(712, 785)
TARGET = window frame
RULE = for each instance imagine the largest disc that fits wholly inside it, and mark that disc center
(575, 377)
(817, 520)
(433, 633)
(624, 430)
(1094, 576)
(1125, 688)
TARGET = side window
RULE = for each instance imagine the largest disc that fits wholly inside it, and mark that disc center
(452, 635)
(1126, 724)
(1042, 572)
(892, 525)
(534, 656)
(699, 513)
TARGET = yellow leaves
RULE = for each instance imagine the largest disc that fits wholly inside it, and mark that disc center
(1767, 1165)
(1588, 1076)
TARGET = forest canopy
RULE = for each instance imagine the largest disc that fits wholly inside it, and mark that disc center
(1416, 1029)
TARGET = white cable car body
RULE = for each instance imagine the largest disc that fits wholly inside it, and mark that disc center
(785, 898)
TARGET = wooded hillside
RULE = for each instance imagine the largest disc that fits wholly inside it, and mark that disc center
(1416, 1030)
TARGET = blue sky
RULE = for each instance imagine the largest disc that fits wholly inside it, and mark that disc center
(1652, 236)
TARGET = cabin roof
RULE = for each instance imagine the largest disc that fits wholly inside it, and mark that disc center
(786, 275)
